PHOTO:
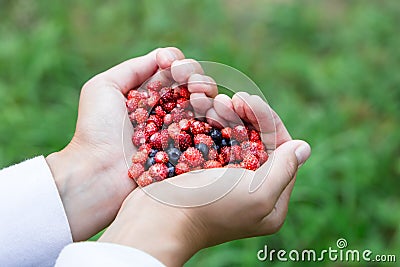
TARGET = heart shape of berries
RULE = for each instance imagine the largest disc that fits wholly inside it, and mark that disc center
(171, 141)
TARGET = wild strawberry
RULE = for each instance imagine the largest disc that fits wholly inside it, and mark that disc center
(173, 130)
(239, 133)
(139, 137)
(167, 119)
(160, 112)
(197, 127)
(135, 170)
(134, 94)
(254, 136)
(139, 157)
(181, 168)
(184, 92)
(132, 117)
(183, 140)
(262, 156)
(225, 156)
(142, 103)
(182, 103)
(154, 85)
(166, 95)
(144, 180)
(207, 128)
(250, 162)
(155, 119)
(184, 125)
(151, 128)
(202, 138)
(249, 147)
(168, 106)
(161, 157)
(141, 126)
(156, 141)
(212, 154)
(158, 171)
(141, 115)
(132, 104)
(236, 152)
(177, 114)
(153, 98)
(145, 148)
(192, 157)
(226, 132)
(212, 164)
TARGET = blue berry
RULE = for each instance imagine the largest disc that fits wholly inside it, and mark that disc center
(171, 171)
(224, 143)
(234, 142)
(149, 162)
(152, 153)
(173, 155)
(203, 149)
(216, 135)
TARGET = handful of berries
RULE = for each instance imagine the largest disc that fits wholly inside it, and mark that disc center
(171, 141)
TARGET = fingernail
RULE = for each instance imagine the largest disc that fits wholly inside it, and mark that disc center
(302, 154)
(170, 56)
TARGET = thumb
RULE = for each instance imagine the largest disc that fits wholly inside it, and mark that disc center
(275, 175)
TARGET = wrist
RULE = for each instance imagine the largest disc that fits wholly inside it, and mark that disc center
(87, 203)
(160, 230)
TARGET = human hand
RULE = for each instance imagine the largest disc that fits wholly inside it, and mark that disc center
(256, 204)
(91, 172)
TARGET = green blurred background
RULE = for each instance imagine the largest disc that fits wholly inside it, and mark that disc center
(329, 68)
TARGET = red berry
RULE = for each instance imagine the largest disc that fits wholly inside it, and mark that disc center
(177, 114)
(154, 85)
(212, 154)
(132, 104)
(142, 103)
(183, 140)
(135, 170)
(236, 152)
(254, 136)
(182, 103)
(250, 162)
(189, 114)
(197, 127)
(145, 148)
(140, 157)
(167, 119)
(134, 94)
(161, 157)
(153, 98)
(168, 106)
(212, 164)
(167, 95)
(184, 125)
(144, 180)
(249, 147)
(226, 132)
(262, 156)
(202, 138)
(151, 128)
(141, 115)
(192, 157)
(160, 112)
(184, 92)
(239, 132)
(158, 171)
(207, 127)
(139, 137)
(225, 156)
(181, 168)
(173, 130)
(158, 141)
(156, 119)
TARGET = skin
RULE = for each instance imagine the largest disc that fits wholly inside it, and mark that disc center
(91, 173)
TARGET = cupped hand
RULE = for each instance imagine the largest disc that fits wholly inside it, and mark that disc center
(213, 206)
(91, 171)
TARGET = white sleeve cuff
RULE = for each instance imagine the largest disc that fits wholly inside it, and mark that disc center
(33, 226)
(104, 254)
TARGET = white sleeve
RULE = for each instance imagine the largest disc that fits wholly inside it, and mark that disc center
(33, 225)
(100, 254)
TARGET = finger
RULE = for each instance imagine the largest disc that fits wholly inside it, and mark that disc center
(273, 177)
(198, 83)
(214, 119)
(201, 103)
(166, 56)
(182, 69)
(128, 74)
(224, 107)
(238, 104)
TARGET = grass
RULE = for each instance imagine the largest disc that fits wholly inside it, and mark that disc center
(329, 68)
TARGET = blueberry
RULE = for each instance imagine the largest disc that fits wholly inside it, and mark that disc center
(149, 162)
(153, 112)
(169, 164)
(171, 171)
(203, 149)
(224, 142)
(234, 142)
(216, 135)
(174, 154)
(153, 152)
(216, 147)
